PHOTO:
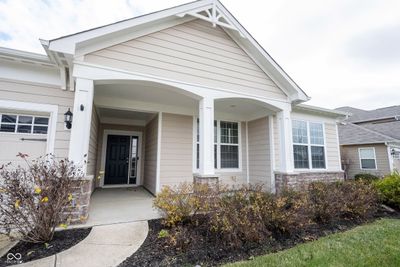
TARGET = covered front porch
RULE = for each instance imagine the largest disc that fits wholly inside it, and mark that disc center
(140, 136)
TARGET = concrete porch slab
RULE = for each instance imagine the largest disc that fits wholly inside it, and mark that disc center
(120, 205)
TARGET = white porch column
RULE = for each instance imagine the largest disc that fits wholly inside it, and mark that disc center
(81, 122)
(286, 144)
(206, 131)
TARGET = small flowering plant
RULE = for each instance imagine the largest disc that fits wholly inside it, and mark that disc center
(36, 197)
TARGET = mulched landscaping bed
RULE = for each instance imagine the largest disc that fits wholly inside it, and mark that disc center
(206, 251)
(62, 240)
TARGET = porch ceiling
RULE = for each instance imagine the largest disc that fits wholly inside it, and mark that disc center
(243, 109)
(108, 115)
(152, 96)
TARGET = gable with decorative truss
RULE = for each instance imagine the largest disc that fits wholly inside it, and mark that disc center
(212, 14)
(193, 52)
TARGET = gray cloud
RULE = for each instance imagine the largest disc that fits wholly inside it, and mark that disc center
(378, 46)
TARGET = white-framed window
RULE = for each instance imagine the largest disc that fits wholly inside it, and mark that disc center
(226, 145)
(367, 158)
(308, 145)
(25, 124)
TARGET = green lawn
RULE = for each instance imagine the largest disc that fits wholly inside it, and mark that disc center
(375, 244)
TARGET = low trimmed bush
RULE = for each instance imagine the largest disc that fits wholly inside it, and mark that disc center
(180, 202)
(239, 216)
(389, 189)
(329, 202)
(250, 214)
(35, 199)
(367, 177)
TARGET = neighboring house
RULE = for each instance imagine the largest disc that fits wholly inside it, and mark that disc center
(164, 98)
(370, 140)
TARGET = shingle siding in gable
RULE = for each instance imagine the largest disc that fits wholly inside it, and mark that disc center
(193, 52)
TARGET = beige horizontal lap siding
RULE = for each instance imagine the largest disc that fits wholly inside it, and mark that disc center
(92, 153)
(332, 147)
(150, 160)
(237, 178)
(43, 94)
(193, 52)
(176, 162)
(259, 152)
(351, 154)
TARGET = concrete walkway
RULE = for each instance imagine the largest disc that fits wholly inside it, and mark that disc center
(105, 246)
(120, 205)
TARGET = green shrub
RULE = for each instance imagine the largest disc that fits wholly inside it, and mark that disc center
(366, 177)
(35, 199)
(389, 189)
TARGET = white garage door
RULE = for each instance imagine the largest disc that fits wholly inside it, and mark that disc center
(22, 133)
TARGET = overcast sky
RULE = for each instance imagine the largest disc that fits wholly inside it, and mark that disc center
(341, 52)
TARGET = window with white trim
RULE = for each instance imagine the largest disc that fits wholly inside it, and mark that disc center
(308, 145)
(226, 145)
(27, 124)
(367, 158)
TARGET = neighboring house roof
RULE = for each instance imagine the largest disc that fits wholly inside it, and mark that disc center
(352, 134)
(370, 126)
(359, 115)
(391, 129)
(63, 50)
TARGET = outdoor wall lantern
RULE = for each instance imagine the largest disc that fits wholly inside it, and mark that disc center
(68, 119)
(393, 152)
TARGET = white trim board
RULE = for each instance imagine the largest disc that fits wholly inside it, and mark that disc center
(35, 107)
(108, 132)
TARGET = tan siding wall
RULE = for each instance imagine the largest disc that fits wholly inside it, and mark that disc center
(43, 94)
(351, 153)
(259, 152)
(332, 148)
(176, 149)
(193, 52)
(150, 158)
(237, 178)
(100, 140)
(92, 154)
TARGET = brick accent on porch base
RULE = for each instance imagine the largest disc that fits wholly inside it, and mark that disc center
(79, 211)
(300, 180)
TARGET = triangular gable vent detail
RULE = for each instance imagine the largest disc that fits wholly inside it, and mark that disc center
(212, 14)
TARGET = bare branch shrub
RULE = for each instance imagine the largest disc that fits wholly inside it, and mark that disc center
(36, 199)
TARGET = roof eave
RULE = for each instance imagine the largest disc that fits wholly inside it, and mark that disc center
(320, 110)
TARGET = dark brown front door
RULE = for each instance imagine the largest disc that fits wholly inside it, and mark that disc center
(117, 160)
